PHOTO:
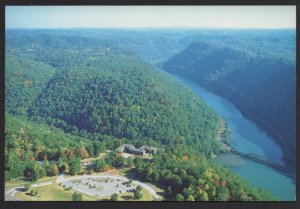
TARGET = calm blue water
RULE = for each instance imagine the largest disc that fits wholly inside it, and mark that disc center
(246, 137)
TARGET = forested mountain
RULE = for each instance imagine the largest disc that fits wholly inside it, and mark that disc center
(71, 97)
(156, 45)
(186, 173)
(193, 178)
(24, 79)
(261, 42)
(104, 90)
(26, 142)
(153, 46)
(261, 84)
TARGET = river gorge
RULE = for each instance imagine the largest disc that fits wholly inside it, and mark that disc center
(247, 137)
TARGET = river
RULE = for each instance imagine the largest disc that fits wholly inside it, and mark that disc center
(246, 137)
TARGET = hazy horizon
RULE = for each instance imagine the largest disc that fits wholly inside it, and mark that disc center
(146, 28)
(235, 17)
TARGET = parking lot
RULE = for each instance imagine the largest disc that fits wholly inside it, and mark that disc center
(95, 186)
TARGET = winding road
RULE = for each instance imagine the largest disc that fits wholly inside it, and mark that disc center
(10, 194)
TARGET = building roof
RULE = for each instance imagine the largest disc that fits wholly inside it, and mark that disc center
(129, 146)
(148, 147)
(132, 148)
(136, 150)
(120, 148)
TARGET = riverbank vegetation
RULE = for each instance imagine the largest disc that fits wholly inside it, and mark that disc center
(260, 79)
(75, 97)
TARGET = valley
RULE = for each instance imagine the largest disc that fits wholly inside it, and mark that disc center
(246, 137)
(261, 84)
(73, 94)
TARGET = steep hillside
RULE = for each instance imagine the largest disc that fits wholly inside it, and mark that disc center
(100, 97)
(34, 150)
(24, 80)
(260, 41)
(262, 86)
(182, 170)
(101, 89)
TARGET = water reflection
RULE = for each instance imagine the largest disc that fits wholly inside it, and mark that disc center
(246, 137)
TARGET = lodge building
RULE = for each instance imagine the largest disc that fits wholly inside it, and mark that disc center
(128, 148)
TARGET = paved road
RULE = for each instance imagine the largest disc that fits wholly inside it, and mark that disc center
(145, 186)
(59, 178)
(9, 198)
(10, 194)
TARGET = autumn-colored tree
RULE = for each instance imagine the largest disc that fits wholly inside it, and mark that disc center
(55, 170)
(223, 183)
(84, 153)
(105, 168)
(185, 158)
(69, 154)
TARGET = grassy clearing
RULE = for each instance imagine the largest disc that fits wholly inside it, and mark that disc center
(22, 181)
(156, 188)
(49, 192)
(54, 192)
(147, 196)
(123, 171)
(101, 156)
(16, 183)
(129, 196)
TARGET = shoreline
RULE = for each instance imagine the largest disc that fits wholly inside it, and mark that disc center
(288, 157)
(222, 138)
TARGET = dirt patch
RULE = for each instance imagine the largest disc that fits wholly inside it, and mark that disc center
(113, 172)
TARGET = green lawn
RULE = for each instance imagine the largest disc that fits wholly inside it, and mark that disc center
(101, 156)
(129, 196)
(123, 171)
(54, 192)
(21, 181)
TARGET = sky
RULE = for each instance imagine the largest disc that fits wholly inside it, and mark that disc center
(150, 16)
